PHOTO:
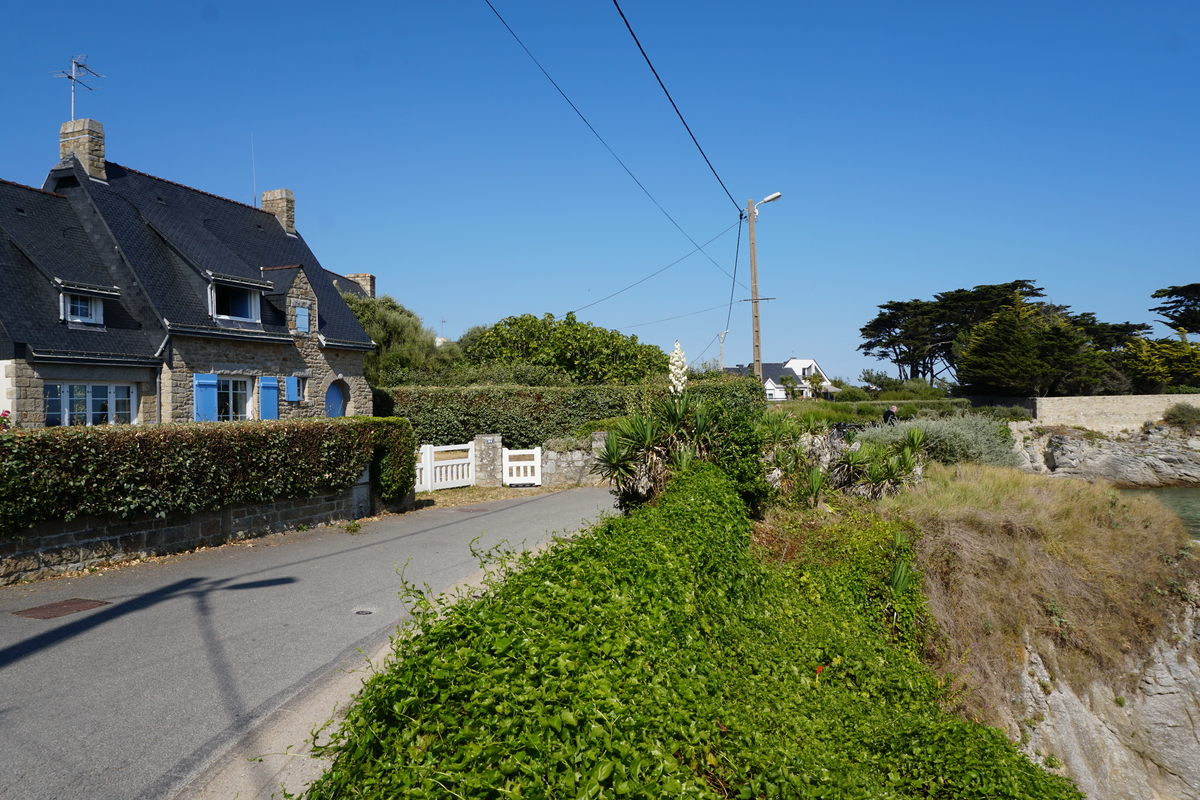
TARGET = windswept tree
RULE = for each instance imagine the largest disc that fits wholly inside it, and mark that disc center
(402, 342)
(1182, 309)
(588, 354)
(922, 337)
(1030, 349)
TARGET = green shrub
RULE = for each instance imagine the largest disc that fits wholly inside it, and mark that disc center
(652, 657)
(852, 394)
(1182, 415)
(952, 440)
(61, 473)
(595, 426)
(1003, 413)
(525, 416)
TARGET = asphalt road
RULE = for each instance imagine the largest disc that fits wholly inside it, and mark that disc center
(133, 699)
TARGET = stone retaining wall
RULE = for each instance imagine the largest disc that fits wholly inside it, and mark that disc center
(1109, 414)
(57, 546)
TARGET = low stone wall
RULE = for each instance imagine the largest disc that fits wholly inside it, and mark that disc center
(572, 467)
(57, 546)
(559, 468)
(1108, 414)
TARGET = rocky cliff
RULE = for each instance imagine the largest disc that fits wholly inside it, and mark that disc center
(1151, 457)
(1141, 742)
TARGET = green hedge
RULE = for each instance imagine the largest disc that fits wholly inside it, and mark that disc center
(527, 416)
(652, 657)
(61, 473)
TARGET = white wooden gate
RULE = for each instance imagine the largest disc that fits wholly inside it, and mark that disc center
(522, 467)
(433, 473)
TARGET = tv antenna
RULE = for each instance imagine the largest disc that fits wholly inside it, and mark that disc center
(79, 71)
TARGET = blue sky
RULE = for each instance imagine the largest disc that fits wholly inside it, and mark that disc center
(919, 147)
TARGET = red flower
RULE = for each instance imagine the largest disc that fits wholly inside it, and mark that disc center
(819, 670)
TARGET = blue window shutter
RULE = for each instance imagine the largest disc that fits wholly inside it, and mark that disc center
(293, 389)
(302, 319)
(204, 397)
(268, 398)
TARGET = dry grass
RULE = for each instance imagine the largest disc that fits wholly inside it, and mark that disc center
(1088, 574)
(470, 495)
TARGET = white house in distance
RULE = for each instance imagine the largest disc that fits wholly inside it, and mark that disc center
(799, 369)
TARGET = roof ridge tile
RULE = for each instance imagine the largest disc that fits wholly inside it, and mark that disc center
(30, 188)
(185, 186)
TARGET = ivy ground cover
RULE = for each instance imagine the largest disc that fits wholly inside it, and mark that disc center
(655, 657)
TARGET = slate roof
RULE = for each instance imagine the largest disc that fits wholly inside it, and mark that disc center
(171, 235)
(773, 371)
(43, 239)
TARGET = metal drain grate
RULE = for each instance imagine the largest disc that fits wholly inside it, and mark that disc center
(362, 613)
(471, 510)
(60, 609)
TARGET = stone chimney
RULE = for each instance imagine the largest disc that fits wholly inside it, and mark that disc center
(281, 203)
(366, 281)
(84, 138)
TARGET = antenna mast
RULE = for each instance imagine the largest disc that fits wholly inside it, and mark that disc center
(79, 70)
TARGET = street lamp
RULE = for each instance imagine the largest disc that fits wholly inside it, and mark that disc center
(751, 214)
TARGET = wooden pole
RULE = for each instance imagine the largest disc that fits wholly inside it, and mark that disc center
(754, 294)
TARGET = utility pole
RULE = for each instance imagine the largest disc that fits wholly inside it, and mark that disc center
(752, 214)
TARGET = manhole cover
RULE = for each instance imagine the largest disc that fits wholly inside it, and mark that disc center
(60, 609)
(362, 613)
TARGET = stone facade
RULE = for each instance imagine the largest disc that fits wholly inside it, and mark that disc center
(318, 367)
(22, 384)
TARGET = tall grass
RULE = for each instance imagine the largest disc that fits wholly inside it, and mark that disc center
(1089, 574)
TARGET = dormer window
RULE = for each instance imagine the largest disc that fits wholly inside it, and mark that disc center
(235, 302)
(88, 310)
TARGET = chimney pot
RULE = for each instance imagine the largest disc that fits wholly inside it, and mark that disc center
(84, 138)
(281, 203)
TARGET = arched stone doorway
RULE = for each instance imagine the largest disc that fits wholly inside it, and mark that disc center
(336, 397)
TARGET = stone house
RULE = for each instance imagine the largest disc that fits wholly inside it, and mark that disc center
(131, 299)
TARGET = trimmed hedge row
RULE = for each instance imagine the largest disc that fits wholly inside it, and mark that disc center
(527, 416)
(61, 473)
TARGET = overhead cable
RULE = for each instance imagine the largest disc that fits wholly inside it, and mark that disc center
(736, 252)
(601, 138)
(678, 113)
(699, 247)
(668, 319)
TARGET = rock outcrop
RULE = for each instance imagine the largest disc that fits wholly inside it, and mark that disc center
(1137, 743)
(1152, 457)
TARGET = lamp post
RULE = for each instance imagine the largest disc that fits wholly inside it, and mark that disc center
(751, 213)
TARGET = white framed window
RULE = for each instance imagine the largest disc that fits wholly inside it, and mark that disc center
(233, 399)
(80, 308)
(89, 404)
(235, 302)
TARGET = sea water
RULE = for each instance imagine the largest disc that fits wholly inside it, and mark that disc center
(1183, 500)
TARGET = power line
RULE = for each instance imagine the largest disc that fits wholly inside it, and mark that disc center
(699, 247)
(736, 252)
(696, 360)
(677, 111)
(601, 138)
(668, 319)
